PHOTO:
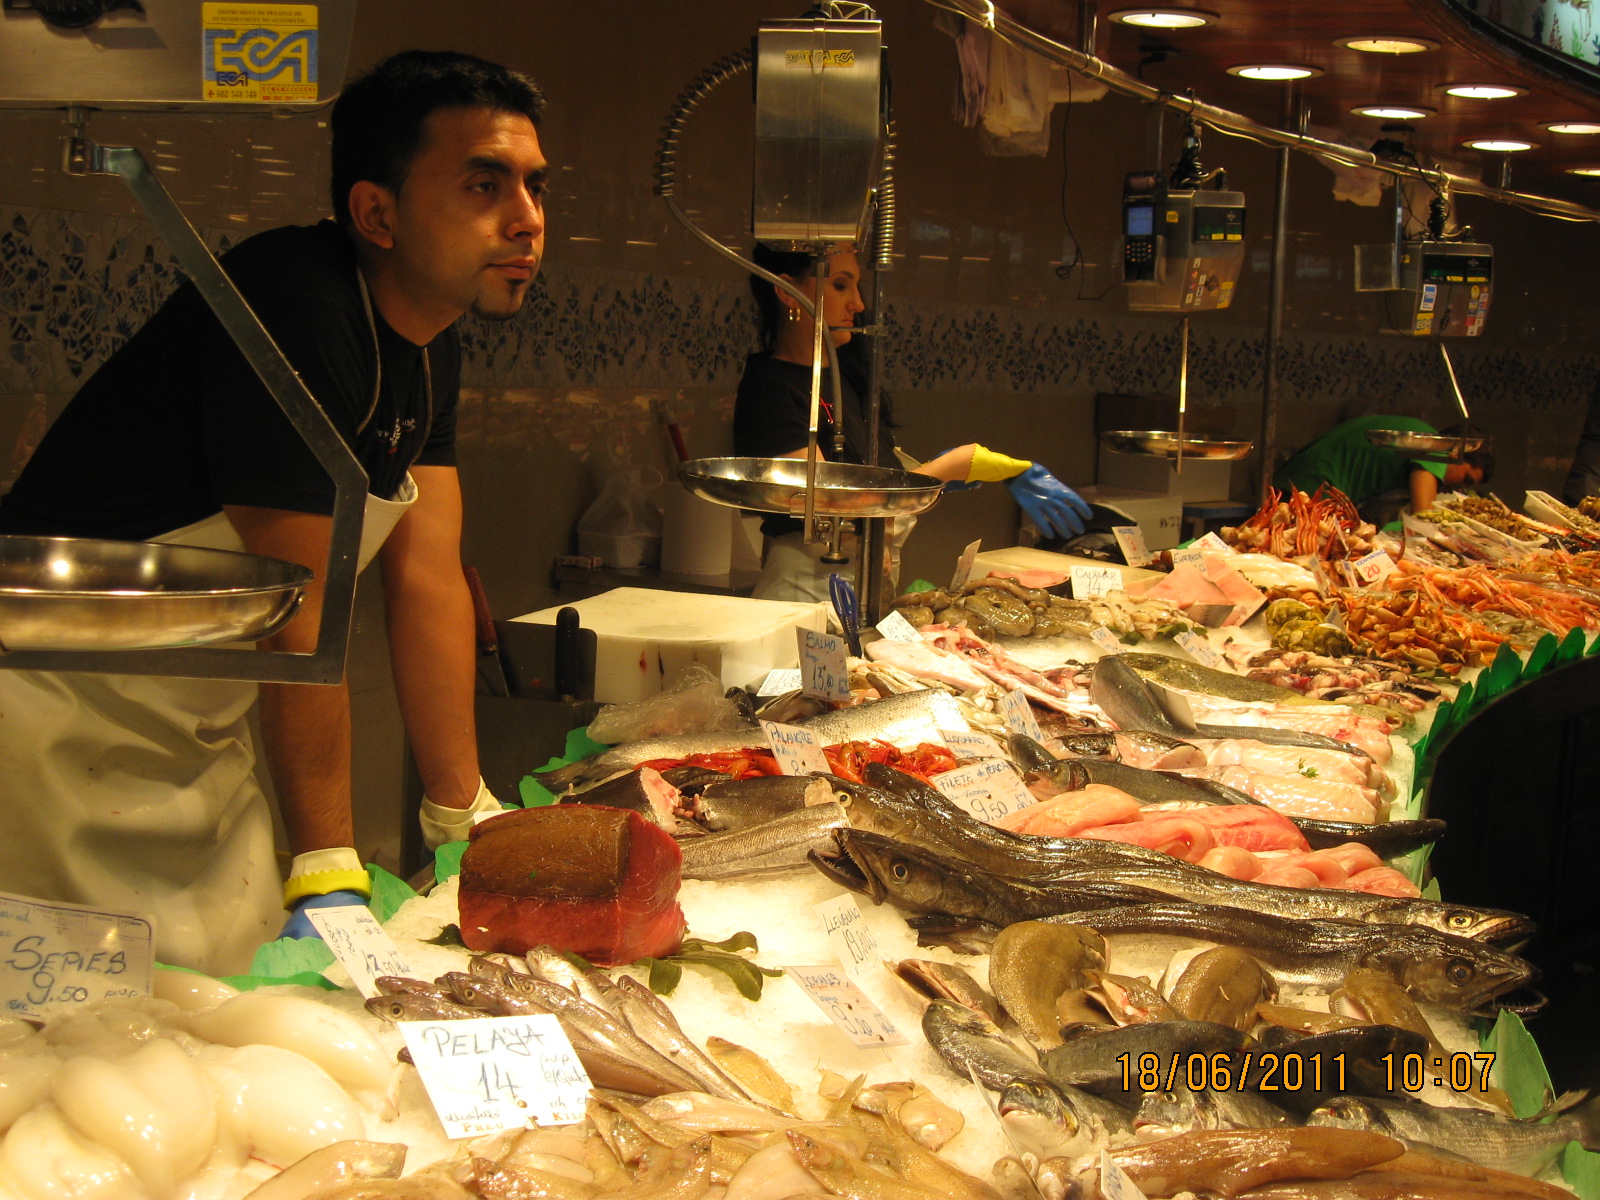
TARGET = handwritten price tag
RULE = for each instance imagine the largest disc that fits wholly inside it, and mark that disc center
(824, 672)
(1375, 567)
(1189, 556)
(964, 566)
(493, 1073)
(1088, 582)
(1130, 538)
(897, 629)
(68, 954)
(779, 681)
(1114, 1181)
(988, 790)
(1018, 716)
(360, 944)
(847, 933)
(1106, 640)
(973, 745)
(847, 1006)
(797, 750)
(1199, 649)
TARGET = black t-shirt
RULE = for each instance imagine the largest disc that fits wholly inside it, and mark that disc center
(771, 414)
(176, 424)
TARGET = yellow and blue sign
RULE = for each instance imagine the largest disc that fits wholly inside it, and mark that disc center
(259, 53)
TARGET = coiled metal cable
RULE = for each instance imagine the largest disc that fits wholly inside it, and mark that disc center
(883, 226)
(718, 72)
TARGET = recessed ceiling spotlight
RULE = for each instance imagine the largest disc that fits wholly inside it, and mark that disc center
(1274, 71)
(1500, 145)
(1574, 127)
(1394, 112)
(1387, 45)
(1485, 91)
(1587, 171)
(1165, 18)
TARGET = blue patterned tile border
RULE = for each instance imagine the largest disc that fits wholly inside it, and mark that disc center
(74, 286)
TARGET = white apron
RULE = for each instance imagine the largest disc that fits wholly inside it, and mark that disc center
(138, 792)
(792, 570)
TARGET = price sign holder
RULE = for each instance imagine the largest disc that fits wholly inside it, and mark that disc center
(492, 1073)
(360, 944)
(964, 565)
(897, 629)
(55, 955)
(824, 671)
(847, 1006)
(848, 934)
(796, 748)
(989, 790)
(1018, 715)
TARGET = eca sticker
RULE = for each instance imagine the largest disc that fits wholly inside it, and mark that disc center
(259, 53)
(819, 58)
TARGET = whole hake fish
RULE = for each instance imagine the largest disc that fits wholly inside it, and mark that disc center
(773, 847)
(1453, 972)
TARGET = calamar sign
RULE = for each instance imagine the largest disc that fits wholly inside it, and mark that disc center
(259, 53)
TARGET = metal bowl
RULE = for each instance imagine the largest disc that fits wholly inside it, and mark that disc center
(1432, 445)
(778, 485)
(1166, 444)
(87, 594)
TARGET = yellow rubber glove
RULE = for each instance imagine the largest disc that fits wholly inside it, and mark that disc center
(991, 467)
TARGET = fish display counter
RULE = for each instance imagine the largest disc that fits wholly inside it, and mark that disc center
(1075, 892)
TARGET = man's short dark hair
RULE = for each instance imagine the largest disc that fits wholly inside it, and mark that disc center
(1483, 457)
(378, 120)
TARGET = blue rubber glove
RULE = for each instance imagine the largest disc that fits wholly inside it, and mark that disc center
(957, 485)
(299, 925)
(1055, 508)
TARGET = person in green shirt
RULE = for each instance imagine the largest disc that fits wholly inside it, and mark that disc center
(1345, 458)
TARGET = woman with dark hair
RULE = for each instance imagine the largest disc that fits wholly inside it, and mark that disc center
(772, 411)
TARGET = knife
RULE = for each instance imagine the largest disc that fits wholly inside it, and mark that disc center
(491, 671)
(569, 654)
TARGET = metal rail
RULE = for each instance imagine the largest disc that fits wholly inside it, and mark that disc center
(1227, 121)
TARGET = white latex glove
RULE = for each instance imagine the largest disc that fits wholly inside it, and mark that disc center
(441, 824)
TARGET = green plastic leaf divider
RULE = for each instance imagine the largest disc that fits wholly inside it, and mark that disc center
(1581, 1169)
(1594, 646)
(1518, 1066)
(1571, 649)
(1544, 650)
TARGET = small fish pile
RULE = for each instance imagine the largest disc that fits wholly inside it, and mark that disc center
(1000, 606)
(1344, 679)
(1325, 525)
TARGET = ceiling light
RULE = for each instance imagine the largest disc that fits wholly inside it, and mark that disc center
(1165, 18)
(1274, 71)
(1574, 127)
(1394, 112)
(1387, 45)
(1589, 171)
(1499, 145)
(1484, 91)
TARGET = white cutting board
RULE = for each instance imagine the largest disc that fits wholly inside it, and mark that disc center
(644, 637)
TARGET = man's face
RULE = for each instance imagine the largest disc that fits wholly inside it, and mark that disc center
(469, 217)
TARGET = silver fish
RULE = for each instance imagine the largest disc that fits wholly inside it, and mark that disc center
(1488, 1139)
(771, 848)
(971, 1044)
(653, 1021)
(1052, 1121)
(411, 1006)
(1163, 1114)
(742, 803)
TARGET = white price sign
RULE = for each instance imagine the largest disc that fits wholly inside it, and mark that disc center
(973, 745)
(824, 671)
(69, 954)
(1114, 1181)
(796, 748)
(847, 933)
(779, 681)
(492, 1073)
(1018, 715)
(989, 790)
(1130, 538)
(1211, 543)
(1375, 567)
(897, 629)
(964, 566)
(1088, 582)
(847, 1006)
(360, 944)
(1106, 640)
(1190, 556)
(1199, 649)
(947, 713)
